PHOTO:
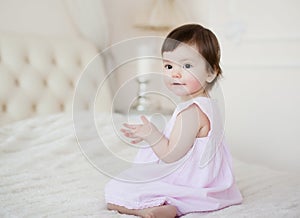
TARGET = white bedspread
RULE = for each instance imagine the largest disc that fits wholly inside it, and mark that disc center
(44, 173)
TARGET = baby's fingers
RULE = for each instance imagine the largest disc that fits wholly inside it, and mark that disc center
(130, 126)
(125, 130)
(135, 141)
(128, 134)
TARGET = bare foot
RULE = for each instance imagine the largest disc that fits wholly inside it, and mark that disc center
(164, 211)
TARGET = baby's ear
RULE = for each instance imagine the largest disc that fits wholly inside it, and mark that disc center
(212, 74)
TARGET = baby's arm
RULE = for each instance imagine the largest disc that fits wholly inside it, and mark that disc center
(182, 137)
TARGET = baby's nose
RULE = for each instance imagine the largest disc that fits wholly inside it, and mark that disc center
(176, 73)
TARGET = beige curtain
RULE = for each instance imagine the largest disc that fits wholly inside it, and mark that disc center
(89, 19)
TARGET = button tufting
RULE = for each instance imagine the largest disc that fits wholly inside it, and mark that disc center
(71, 83)
(62, 107)
(26, 59)
(33, 107)
(45, 82)
(4, 108)
(17, 82)
(79, 63)
(53, 61)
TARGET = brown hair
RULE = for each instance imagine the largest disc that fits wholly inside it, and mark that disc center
(204, 39)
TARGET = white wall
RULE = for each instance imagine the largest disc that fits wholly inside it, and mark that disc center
(261, 47)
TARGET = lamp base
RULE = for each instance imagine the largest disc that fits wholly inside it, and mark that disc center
(143, 104)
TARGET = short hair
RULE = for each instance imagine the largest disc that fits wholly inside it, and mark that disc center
(204, 39)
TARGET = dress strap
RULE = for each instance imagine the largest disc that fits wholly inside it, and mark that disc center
(206, 105)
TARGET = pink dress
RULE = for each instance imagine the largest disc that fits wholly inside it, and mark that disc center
(200, 181)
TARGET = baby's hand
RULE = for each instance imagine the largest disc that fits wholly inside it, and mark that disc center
(138, 132)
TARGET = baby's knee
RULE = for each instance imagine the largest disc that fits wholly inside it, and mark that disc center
(173, 211)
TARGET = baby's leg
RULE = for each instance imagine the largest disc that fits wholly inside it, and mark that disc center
(121, 209)
(163, 211)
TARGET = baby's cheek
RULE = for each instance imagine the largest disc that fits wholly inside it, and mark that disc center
(166, 81)
(195, 84)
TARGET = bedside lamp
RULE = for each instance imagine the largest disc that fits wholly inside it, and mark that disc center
(163, 16)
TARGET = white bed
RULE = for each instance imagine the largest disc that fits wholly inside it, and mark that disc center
(43, 171)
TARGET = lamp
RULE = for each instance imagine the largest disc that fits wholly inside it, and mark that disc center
(163, 16)
(143, 102)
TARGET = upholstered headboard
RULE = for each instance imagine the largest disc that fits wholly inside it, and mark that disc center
(38, 75)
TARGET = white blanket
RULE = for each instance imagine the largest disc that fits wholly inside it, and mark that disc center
(44, 173)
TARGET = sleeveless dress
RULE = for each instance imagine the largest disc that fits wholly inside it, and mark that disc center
(200, 181)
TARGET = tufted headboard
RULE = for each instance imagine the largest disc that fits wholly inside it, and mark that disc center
(38, 75)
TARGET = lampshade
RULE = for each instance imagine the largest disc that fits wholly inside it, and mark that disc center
(163, 15)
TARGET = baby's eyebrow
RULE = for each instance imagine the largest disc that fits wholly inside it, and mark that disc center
(170, 61)
(184, 59)
(179, 61)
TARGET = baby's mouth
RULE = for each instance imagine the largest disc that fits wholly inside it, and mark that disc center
(177, 84)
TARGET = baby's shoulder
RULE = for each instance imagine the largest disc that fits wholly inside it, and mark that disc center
(195, 113)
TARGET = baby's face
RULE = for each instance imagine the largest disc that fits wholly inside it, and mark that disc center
(185, 71)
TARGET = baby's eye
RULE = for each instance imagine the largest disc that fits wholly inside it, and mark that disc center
(168, 66)
(187, 66)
